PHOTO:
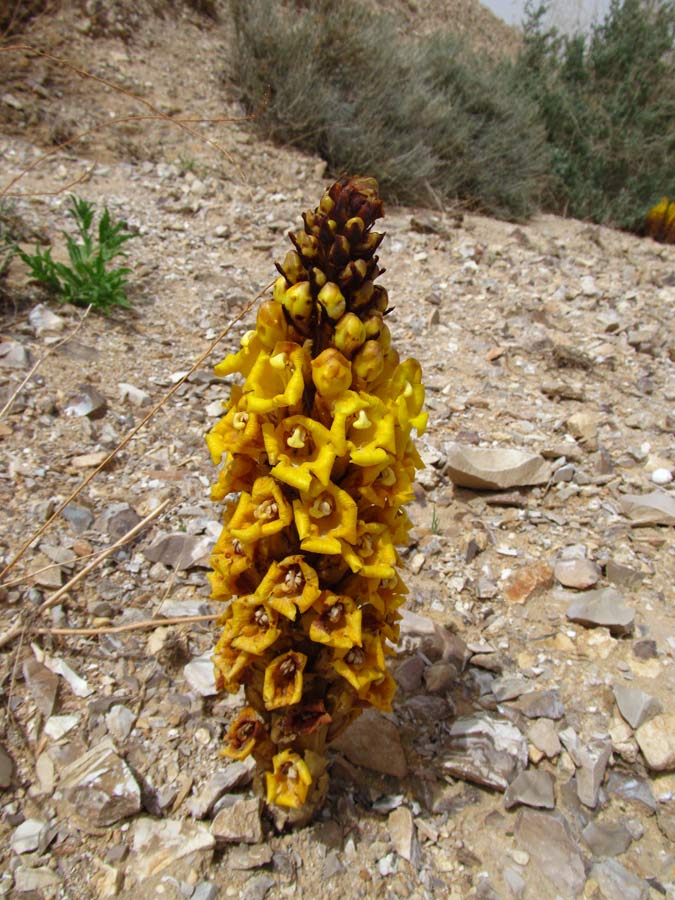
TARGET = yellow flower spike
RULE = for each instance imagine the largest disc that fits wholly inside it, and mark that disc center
(299, 448)
(323, 516)
(289, 781)
(360, 666)
(331, 373)
(277, 380)
(254, 625)
(335, 621)
(283, 680)
(317, 442)
(289, 586)
(263, 512)
(332, 299)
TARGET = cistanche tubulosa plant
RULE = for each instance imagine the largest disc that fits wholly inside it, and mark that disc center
(89, 279)
(317, 444)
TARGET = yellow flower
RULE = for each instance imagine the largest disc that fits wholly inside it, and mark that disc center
(238, 474)
(361, 665)
(242, 361)
(283, 680)
(254, 624)
(298, 448)
(323, 515)
(230, 664)
(386, 484)
(373, 554)
(289, 781)
(371, 435)
(379, 693)
(303, 719)
(239, 431)
(233, 567)
(277, 380)
(289, 585)
(335, 621)
(243, 734)
(263, 512)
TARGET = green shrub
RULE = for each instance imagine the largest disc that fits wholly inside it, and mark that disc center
(608, 102)
(428, 118)
(89, 280)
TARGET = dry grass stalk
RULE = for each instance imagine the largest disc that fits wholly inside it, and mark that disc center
(133, 626)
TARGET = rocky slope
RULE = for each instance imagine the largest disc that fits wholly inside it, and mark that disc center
(530, 753)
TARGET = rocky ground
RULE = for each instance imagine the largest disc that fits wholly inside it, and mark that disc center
(531, 752)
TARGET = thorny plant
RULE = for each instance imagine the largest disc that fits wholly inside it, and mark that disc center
(89, 280)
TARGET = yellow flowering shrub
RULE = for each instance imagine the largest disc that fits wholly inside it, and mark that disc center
(316, 444)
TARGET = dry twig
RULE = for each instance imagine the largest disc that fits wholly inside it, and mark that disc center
(133, 626)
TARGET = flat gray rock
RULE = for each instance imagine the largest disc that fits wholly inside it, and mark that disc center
(541, 704)
(577, 573)
(180, 551)
(373, 741)
(531, 788)
(483, 749)
(607, 838)
(158, 845)
(656, 508)
(635, 705)
(99, 789)
(239, 821)
(592, 764)
(494, 469)
(546, 837)
(543, 735)
(604, 607)
(231, 776)
(403, 835)
(617, 883)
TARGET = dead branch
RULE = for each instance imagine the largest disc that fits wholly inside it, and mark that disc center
(133, 626)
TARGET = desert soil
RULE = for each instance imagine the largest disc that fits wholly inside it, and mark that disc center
(552, 339)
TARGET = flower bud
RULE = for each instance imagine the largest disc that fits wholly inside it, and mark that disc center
(271, 325)
(331, 373)
(350, 333)
(292, 267)
(369, 361)
(299, 304)
(332, 300)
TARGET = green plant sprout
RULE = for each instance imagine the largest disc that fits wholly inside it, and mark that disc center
(89, 280)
